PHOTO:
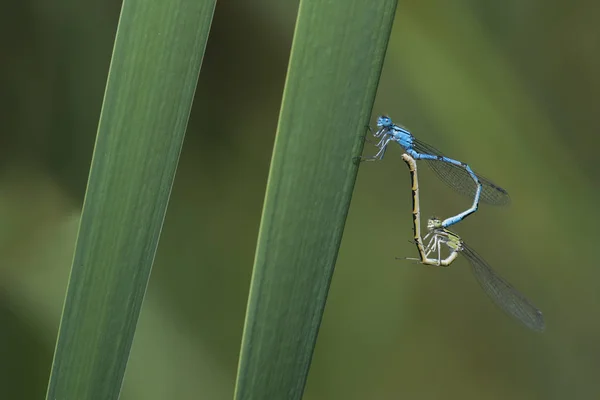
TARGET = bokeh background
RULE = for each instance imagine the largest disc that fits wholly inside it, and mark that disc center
(510, 87)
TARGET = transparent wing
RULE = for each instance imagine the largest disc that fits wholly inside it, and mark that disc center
(502, 293)
(459, 179)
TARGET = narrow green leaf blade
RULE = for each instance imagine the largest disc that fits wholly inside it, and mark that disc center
(335, 64)
(154, 69)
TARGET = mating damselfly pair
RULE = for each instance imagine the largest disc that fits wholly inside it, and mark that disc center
(462, 178)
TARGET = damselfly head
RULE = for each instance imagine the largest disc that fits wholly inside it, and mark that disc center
(384, 121)
(434, 223)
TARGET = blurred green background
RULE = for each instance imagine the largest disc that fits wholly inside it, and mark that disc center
(510, 87)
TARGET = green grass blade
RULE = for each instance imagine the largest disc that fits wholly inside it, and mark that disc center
(334, 70)
(154, 69)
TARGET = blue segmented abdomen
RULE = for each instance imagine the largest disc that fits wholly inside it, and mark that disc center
(458, 177)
